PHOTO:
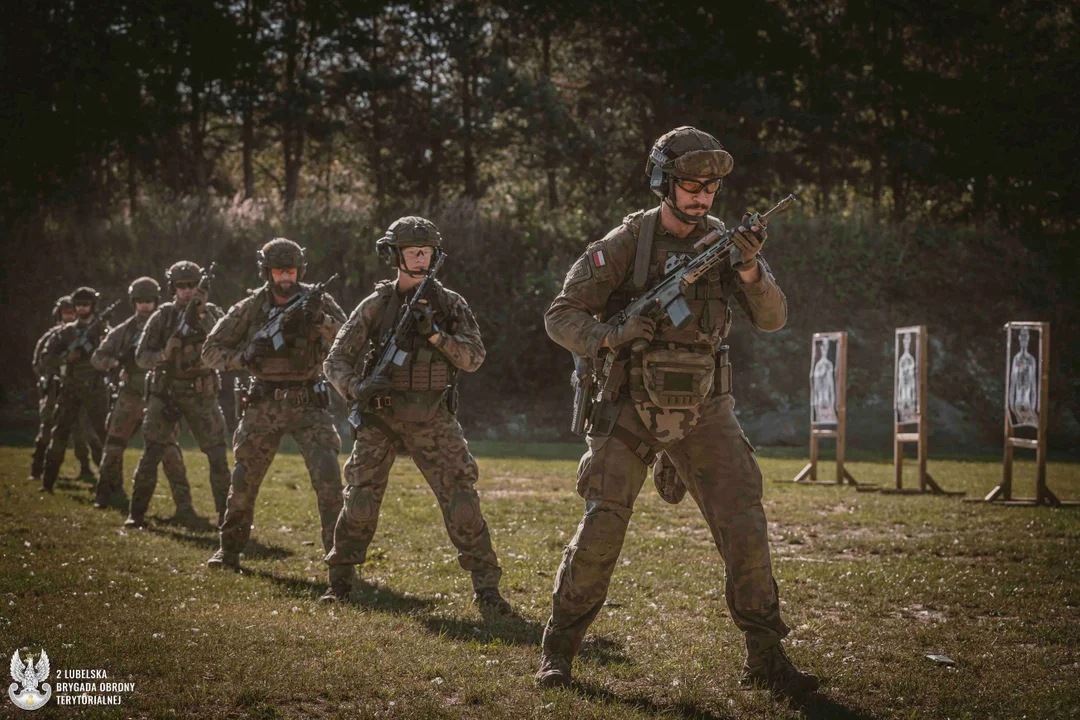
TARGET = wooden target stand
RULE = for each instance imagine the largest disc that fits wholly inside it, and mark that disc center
(927, 484)
(1002, 494)
(818, 430)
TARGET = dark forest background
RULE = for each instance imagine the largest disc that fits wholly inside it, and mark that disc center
(932, 146)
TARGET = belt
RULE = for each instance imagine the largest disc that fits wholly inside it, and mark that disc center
(298, 391)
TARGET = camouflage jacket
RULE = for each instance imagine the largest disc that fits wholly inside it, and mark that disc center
(604, 272)
(301, 357)
(185, 362)
(79, 369)
(38, 362)
(459, 335)
(119, 345)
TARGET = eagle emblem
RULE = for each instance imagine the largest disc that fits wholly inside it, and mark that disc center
(30, 677)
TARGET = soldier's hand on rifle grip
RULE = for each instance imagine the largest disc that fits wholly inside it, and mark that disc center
(199, 298)
(172, 346)
(424, 315)
(636, 326)
(256, 348)
(748, 239)
(312, 308)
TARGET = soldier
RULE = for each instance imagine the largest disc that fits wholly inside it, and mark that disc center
(117, 352)
(181, 386)
(414, 411)
(82, 388)
(287, 394)
(676, 397)
(63, 312)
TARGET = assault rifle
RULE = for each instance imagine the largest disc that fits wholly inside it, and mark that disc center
(82, 337)
(668, 298)
(187, 326)
(280, 314)
(389, 352)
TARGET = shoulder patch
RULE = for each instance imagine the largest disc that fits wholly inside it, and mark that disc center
(581, 271)
(599, 263)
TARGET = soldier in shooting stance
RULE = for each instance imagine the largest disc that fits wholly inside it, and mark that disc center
(48, 382)
(180, 386)
(413, 409)
(287, 394)
(82, 387)
(669, 390)
(116, 355)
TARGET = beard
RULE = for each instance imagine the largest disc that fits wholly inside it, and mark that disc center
(284, 290)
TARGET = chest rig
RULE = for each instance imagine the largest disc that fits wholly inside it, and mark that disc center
(187, 361)
(678, 369)
(426, 370)
(131, 374)
(299, 357)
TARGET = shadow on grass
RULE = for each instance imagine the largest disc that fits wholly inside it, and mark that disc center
(363, 594)
(819, 707)
(683, 709)
(255, 550)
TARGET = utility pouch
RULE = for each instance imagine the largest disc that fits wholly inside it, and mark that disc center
(604, 415)
(452, 399)
(722, 384)
(241, 397)
(170, 410)
(678, 378)
(320, 394)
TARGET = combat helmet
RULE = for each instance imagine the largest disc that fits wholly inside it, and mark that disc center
(684, 152)
(183, 271)
(85, 295)
(62, 303)
(144, 289)
(409, 231)
(281, 253)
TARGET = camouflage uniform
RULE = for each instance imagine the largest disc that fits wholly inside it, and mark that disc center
(127, 415)
(182, 386)
(82, 389)
(698, 431)
(417, 422)
(282, 400)
(85, 442)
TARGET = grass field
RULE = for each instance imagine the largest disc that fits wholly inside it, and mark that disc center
(870, 584)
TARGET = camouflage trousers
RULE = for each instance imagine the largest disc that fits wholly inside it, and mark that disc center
(74, 400)
(265, 422)
(721, 472)
(199, 407)
(442, 455)
(124, 420)
(85, 442)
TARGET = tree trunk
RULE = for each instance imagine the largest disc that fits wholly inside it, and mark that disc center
(292, 134)
(549, 125)
(247, 132)
(468, 160)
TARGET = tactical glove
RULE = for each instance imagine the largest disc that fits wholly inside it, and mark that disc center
(636, 326)
(172, 346)
(312, 308)
(425, 320)
(747, 244)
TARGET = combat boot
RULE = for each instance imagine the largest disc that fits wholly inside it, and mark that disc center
(490, 601)
(189, 518)
(85, 472)
(341, 579)
(224, 559)
(554, 671)
(773, 669)
(135, 520)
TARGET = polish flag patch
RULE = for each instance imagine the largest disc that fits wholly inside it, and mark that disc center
(598, 259)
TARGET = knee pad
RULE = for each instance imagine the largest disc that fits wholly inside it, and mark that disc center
(360, 505)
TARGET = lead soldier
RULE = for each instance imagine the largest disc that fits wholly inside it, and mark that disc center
(669, 389)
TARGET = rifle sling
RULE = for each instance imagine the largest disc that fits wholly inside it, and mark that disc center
(379, 424)
(644, 248)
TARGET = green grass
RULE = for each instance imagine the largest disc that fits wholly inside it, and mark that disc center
(870, 584)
